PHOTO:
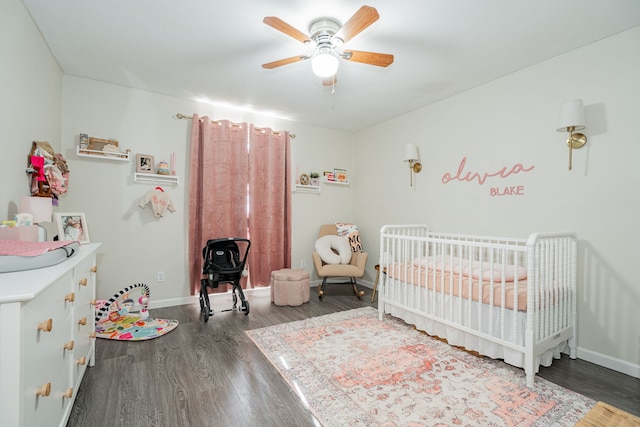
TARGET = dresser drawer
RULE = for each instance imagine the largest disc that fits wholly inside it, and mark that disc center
(47, 363)
(84, 281)
(83, 317)
(57, 403)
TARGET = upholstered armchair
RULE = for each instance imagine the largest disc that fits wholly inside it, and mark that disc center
(344, 273)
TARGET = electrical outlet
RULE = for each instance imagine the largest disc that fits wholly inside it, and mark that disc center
(303, 263)
(160, 276)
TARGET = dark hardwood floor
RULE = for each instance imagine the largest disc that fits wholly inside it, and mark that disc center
(211, 374)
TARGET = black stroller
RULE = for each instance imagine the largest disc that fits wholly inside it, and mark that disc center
(222, 264)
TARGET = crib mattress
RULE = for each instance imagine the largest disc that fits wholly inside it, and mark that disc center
(494, 292)
(17, 255)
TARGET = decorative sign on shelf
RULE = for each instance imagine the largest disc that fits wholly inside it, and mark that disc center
(504, 172)
(100, 147)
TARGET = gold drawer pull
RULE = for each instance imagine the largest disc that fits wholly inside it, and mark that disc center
(46, 326)
(92, 335)
(69, 393)
(83, 282)
(82, 361)
(82, 321)
(94, 269)
(70, 297)
(93, 302)
(44, 391)
(69, 345)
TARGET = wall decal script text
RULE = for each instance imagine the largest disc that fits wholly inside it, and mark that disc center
(461, 175)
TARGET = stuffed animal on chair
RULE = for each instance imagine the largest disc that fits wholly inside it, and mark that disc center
(338, 260)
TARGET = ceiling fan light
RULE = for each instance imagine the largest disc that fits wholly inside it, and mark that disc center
(324, 65)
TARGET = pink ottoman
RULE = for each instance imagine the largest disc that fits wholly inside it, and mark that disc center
(289, 287)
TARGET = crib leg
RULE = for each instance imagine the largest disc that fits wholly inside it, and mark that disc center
(530, 379)
(573, 349)
(529, 358)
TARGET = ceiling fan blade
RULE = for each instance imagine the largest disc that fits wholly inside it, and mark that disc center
(329, 81)
(364, 17)
(281, 62)
(282, 26)
(371, 58)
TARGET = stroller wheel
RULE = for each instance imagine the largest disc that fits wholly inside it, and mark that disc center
(245, 307)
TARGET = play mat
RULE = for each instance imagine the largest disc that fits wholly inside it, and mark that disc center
(125, 317)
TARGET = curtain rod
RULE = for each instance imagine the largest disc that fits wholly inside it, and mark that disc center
(185, 117)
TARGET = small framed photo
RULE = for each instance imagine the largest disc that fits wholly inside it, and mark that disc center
(84, 141)
(72, 226)
(340, 175)
(144, 163)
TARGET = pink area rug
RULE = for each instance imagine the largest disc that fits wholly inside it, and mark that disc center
(353, 370)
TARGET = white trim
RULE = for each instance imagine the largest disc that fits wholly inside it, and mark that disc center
(613, 363)
(193, 299)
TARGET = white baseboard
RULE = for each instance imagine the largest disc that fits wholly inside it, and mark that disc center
(613, 363)
(212, 298)
(193, 299)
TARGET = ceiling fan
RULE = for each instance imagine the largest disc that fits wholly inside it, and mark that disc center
(328, 36)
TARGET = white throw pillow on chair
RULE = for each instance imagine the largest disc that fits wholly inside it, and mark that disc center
(326, 245)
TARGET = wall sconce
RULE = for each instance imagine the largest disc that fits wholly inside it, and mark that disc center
(411, 156)
(572, 119)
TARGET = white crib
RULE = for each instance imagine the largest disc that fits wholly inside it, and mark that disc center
(506, 298)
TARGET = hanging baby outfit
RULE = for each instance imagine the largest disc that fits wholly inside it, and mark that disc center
(160, 201)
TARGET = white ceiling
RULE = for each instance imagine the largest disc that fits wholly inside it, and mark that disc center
(212, 50)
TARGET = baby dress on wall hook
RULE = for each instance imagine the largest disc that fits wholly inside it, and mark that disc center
(160, 201)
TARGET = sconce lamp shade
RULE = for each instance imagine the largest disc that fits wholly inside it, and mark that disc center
(40, 207)
(410, 152)
(572, 115)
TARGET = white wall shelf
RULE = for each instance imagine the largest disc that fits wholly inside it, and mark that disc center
(326, 181)
(156, 179)
(306, 188)
(103, 155)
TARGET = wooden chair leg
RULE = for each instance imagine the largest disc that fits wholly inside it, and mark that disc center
(375, 284)
(358, 293)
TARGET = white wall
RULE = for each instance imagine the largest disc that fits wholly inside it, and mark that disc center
(511, 121)
(135, 244)
(31, 94)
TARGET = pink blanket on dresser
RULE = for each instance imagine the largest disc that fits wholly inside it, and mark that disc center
(22, 248)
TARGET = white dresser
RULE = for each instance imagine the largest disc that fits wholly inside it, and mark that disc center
(47, 339)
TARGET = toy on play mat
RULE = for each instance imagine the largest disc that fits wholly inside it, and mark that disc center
(125, 316)
(130, 301)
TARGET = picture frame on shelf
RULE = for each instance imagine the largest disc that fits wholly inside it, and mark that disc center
(145, 163)
(83, 141)
(340, 175)
(72, 226)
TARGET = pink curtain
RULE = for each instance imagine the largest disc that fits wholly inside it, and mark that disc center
(224, 174)
(217, 189)
(269, 203)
